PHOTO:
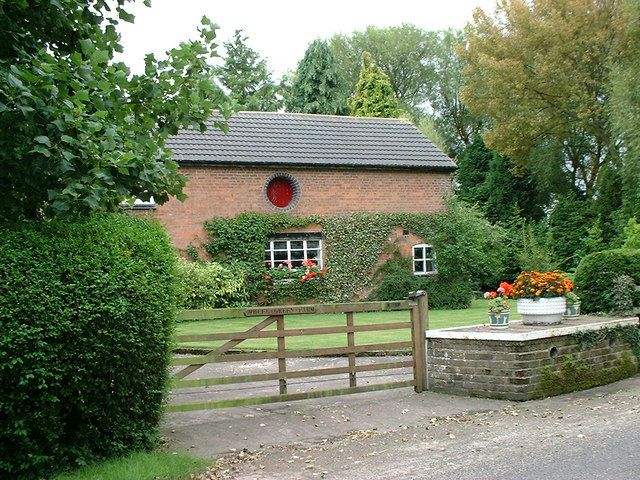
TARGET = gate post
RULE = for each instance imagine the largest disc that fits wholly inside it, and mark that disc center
(419, 325)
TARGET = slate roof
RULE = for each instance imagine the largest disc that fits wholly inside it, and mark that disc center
(293, 139)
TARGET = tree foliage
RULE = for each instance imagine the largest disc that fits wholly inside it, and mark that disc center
(373, 96)
(398, 51)
(425, 73)
(317, 86)
(78, 131)
(247, 77)
(625, 104)
(540, 70)
(501, 189)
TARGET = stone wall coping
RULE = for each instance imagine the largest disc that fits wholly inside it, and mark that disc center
(481, 332)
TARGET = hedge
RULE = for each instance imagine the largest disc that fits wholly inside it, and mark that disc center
(596, 274)
(86, 308)
(210, 285)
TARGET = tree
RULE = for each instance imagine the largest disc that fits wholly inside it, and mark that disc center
(425, 72)
(317, 86)
(78, 131)
(456, 125)
(539, 70)
(247, 78)
(373, 96)
(502, 190)
(625, 104)
(400, 52)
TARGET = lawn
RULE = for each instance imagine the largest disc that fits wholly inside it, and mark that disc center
(141, 466)
(475, 315)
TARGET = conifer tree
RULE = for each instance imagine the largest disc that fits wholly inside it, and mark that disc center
(373, 96)
(317, 86)
(247, 77)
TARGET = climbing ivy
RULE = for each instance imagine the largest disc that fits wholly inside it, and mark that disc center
(468, 248)
(630, 334)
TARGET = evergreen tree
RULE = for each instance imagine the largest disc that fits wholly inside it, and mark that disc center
(317, 86)
(247, 78)
(373, 96)
(501, 189)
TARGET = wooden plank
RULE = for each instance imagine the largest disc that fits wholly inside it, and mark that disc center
(209, 314)
(223, 349)
(316, 372)
(328, 308)
(221, 313)
(420, 322)
(293, 332)
(351, 343)
(282, 361)
(187, 407)
(318, 352)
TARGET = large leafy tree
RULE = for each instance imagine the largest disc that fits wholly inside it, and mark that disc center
(247, 77)
(425, 72)
(373, 96)
(399, 51)
(78, 131)
(539, 70)
(625, 103)
(317, 86)
(454, 123)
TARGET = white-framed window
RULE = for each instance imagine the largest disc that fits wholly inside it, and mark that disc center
(294, 249)
(424, 260)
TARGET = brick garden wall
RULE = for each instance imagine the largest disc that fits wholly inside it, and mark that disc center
(228, 191)
(507, 369)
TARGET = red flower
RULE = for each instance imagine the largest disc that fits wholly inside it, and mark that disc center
(267, 277)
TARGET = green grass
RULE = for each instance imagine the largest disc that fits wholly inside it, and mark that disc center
(475, 315)
(141, 466)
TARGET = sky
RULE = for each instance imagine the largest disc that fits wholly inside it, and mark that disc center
(280, 30)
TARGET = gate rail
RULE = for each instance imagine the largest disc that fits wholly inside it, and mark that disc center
(416, 305)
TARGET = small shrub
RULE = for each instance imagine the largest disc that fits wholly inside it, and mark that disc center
(624, 292)
(596, 274)
(210, 285)
(397, 280)
(86, 309)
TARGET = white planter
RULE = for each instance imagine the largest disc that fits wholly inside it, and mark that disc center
(541, 311)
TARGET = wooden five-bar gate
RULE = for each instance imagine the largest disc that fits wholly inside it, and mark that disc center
(417, 322)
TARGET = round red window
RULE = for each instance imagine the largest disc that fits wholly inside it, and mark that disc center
(280, 192)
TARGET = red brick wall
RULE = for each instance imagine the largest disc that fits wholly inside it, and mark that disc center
(227, 191)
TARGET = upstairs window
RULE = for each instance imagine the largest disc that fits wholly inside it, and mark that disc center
(424, 260)
(295, 249)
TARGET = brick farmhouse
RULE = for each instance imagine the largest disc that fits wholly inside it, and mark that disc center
(304, 165)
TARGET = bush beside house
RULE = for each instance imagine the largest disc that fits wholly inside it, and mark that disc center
(596, 276)
(86, 308)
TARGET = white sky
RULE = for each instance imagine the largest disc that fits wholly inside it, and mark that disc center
(280, 30)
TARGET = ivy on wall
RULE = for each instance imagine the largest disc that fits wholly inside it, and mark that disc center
(468, 248)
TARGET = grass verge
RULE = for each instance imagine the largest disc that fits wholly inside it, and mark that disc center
(141, 466)
(475, 315)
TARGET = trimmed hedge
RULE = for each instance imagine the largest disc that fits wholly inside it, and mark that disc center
(210, 285)
(86, 308)
(596, 274)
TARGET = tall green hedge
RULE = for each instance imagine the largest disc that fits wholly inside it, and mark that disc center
(86, 311)
(596, 274)
(470, 251)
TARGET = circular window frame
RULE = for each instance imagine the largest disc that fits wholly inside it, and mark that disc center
(294, 184)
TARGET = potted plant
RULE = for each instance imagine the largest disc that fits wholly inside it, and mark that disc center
(541, 297)
(499, 306)
(573, 306)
